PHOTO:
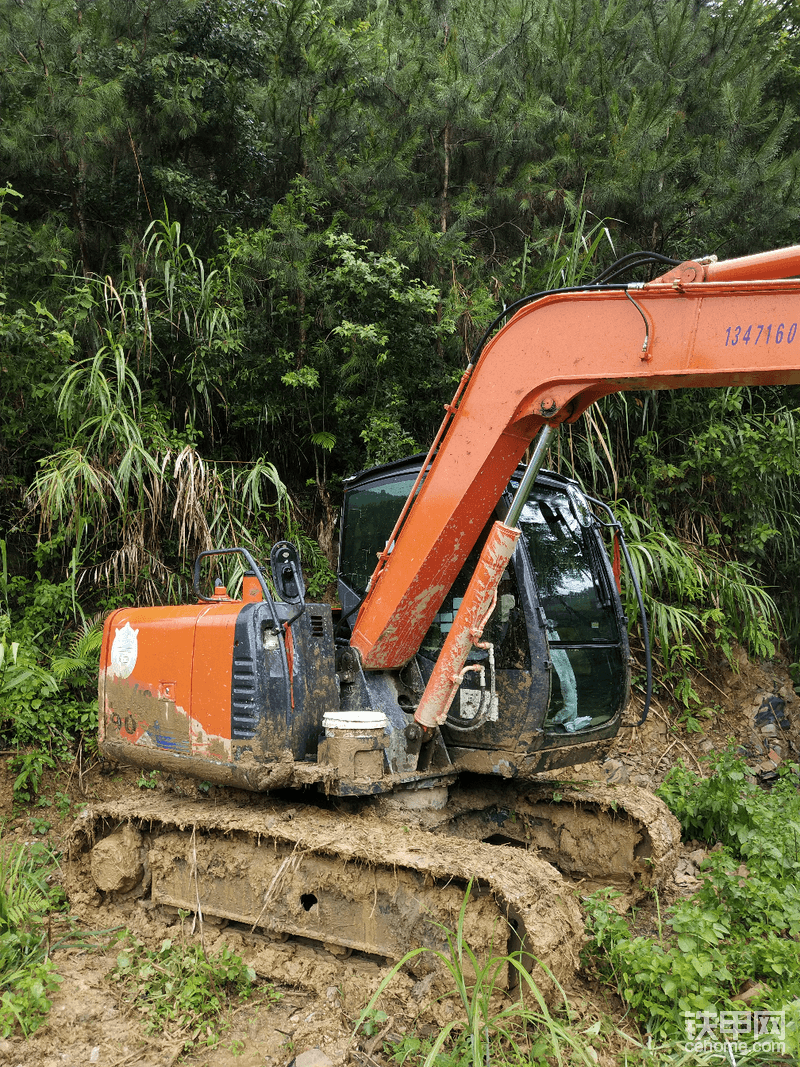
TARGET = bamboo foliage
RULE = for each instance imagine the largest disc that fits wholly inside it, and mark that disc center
(120, 520)
(694, 597)
(215, 504)
(133, 500)
(574, 256)
(121, 525)
(201, 308)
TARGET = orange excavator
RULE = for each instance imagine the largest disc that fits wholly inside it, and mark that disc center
(355, 772)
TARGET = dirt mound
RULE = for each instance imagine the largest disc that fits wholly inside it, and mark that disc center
(752, 706)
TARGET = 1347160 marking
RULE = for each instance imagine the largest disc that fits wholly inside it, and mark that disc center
(760, 332)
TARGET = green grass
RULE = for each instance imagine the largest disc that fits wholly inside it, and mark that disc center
(490, 1024)
(179, 988)
(27, 976)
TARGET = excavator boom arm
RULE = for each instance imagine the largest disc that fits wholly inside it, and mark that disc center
(548, 364)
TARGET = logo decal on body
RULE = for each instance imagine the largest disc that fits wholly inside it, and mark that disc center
(124, 650)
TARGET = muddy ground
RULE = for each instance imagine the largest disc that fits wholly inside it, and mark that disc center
(308, 999)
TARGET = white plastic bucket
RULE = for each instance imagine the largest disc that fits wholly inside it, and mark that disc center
(354, 723)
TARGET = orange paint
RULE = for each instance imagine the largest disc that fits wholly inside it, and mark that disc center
(476, 606)
(287, 629)
(183, 657)
(212, 663)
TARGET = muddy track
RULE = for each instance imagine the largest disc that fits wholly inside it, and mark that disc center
(597, 835)
(352, 882)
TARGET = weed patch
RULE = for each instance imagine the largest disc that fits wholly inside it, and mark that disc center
(27, 977)
(740, 930)
(490, 1025)
(178, 987)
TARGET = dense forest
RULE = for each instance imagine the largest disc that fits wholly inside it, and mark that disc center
(246, 248)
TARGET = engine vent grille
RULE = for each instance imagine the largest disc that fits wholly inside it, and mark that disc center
(244, 707)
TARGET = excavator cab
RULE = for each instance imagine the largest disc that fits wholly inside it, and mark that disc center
(555, 674)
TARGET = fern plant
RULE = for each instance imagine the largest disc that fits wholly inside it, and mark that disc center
(83, 653)
(27, 978)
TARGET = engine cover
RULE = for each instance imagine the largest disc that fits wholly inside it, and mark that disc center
(226, 691)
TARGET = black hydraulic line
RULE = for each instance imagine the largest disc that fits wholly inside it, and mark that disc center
(480, 719)
(523, 301)
(633, 259)
(343, 618)
(645, 635)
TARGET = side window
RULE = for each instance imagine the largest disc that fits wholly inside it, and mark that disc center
(369, 518)
(578, 610)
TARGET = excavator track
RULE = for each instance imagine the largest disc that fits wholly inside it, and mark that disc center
(348, 881)
(596, 835)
